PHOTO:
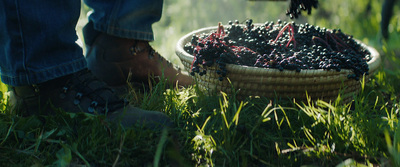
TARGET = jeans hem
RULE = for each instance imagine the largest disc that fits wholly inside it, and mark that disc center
(30, 78)
(126, 33)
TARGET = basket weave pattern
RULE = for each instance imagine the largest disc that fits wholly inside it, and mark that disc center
(267, 82)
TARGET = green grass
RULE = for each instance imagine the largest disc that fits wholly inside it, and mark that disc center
(214, 131)
(221, 130)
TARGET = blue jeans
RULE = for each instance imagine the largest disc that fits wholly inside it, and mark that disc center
(37, 37)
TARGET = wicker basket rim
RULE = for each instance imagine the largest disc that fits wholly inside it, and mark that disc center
(184, 56)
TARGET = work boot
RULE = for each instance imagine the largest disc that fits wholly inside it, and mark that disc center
(113, 59)
(81, 92)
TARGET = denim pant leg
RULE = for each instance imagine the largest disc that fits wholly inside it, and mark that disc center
(37, 39)
(126, 18)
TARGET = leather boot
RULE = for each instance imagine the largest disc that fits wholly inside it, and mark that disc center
(82, 92)
(113, 59)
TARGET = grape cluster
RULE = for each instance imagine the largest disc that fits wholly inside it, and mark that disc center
(280, 45)
(296, 6)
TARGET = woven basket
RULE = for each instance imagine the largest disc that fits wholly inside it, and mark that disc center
(272, 83)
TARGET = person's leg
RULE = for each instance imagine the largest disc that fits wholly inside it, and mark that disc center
(46, 69)
(126, 18)
(117, 39)
(33, 49)
(386, 15)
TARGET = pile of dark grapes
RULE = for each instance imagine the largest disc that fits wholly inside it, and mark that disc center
(296, 6)
(280, 45)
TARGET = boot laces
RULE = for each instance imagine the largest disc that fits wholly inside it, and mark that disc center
(102, 96)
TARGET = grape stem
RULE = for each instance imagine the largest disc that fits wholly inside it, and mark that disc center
(314, 38)
(291, 34)
(220, 30)
(239, 49)
(216, 37)
(338, 44)
(338, 41)
(235, 49)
